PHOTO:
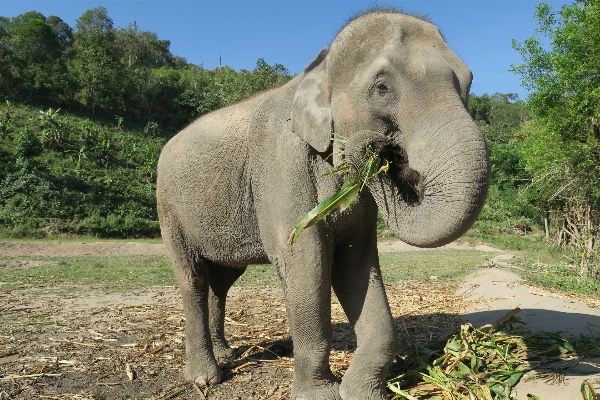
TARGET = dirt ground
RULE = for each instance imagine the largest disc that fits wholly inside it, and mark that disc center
(48, 249)
(96, 345)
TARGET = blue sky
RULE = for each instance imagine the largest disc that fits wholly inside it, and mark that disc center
(292, 32)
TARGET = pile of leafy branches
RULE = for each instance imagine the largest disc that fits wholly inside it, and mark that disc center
(487, 362)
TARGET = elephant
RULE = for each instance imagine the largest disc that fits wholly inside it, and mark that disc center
(232, 185)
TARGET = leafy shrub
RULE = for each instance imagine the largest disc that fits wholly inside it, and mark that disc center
(114, 225)
(152, 128)
(23, 195)
(27, 144)
(6, 124)
(54, 133)
(509, 206)
(29, 228)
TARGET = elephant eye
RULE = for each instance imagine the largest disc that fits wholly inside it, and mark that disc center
(382, 88)
(379, 88)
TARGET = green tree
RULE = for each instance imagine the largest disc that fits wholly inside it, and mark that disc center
(99, 75)
(201, 92)
(64, 33)
(116, 71)
(96, 67)
(95, 22)
(142, 48)
(143, 55)
(6, 81)
(560, 144)
(266, 76)
(37, 64)
(480, 108)
(499, 117)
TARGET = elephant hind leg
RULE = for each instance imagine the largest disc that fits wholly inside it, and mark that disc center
(192, 273)
(221, 280)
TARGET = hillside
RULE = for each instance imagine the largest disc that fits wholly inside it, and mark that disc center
(84, 113)
(65, 174)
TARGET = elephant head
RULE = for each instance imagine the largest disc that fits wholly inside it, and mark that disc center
(391, 81)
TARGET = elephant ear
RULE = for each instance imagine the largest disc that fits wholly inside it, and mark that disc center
(311, 111)
(462, 72)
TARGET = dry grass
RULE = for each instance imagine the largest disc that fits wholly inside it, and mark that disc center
(89, 345)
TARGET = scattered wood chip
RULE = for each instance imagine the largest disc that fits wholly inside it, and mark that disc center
(131, 375)
(8, 353)
(156, 349)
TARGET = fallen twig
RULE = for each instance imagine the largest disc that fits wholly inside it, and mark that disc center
(11, 377)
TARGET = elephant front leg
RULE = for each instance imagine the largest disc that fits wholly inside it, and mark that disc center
(307, 294)
(357, 282)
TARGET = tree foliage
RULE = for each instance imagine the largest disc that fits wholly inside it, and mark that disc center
(499, 117)
(560, 145)
(100, 69)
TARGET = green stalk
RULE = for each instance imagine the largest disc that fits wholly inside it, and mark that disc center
(587, 391)
(341, 199)
(346, 195)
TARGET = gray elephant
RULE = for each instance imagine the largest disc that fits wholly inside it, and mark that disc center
(234, 184)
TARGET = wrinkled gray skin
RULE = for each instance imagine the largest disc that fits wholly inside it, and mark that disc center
(233, 184)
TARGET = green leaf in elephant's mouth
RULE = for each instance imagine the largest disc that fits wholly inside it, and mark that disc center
(353, 184)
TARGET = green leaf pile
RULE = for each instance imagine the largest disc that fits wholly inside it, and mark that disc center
(487, 362)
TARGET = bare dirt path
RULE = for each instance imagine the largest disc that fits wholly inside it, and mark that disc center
(496, 291)
(50, 249)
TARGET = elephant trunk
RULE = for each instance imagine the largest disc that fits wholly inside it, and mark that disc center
(438, 178)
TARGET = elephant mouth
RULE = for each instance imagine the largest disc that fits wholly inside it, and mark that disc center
(408, 180)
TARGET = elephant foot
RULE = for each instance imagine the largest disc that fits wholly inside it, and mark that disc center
(362, 389)
(328, 390)
(203, 374)
(223, 355)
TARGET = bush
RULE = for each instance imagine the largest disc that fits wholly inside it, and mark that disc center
(23, 195)
(27, 144)
(27, 228)
(114, 225)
